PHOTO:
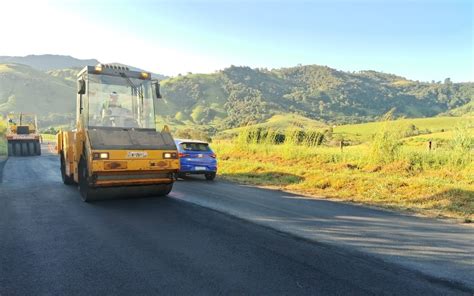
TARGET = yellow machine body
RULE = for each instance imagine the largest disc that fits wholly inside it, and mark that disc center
(134, 160)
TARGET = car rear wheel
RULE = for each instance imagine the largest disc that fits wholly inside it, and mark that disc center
(210, 176)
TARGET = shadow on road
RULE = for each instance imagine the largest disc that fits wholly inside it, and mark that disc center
(267, 178)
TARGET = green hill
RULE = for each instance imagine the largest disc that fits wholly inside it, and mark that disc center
(238, 96)
(24, 89)
(48, 62)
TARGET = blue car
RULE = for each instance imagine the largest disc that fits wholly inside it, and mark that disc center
(196, 157)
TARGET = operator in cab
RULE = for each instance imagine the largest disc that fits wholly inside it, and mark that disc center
(113, 114)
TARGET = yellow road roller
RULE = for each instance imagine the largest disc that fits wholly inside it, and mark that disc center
(22, 135)
(115, 151)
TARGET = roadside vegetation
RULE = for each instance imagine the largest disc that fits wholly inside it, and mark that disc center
(48, 138)
(392, 166)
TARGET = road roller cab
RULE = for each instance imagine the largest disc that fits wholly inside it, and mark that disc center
(115, 150)
(22, 135)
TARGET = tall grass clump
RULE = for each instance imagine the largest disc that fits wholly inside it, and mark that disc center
(462, 146)
(290, 143)
(313, 139)
(386, 144)
(241, 142)
(251, 140)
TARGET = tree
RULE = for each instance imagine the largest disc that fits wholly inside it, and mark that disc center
(321, 108)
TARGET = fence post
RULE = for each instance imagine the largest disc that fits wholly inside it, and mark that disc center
(341, 144)
(429, 145)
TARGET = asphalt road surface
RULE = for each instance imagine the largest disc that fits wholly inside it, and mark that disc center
(52, 243)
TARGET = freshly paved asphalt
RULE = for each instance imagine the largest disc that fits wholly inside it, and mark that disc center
(437, 248)
(52, 243)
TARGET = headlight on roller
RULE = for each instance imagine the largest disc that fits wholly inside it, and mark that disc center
(101, 155)
(170, 155)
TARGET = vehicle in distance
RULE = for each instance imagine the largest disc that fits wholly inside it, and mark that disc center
(197, 158)
(22, 135)
(116, 150)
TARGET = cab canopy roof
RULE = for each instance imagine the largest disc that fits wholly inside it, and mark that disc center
(114, 70)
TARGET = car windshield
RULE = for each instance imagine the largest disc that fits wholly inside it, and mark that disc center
(195, 147)
(120, 102)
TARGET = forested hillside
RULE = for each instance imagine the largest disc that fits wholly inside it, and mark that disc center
(239, 96)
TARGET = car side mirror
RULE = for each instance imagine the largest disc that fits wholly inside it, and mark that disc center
(156, 88)
(81, 86)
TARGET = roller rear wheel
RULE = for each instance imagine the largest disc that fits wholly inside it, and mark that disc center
(16, 149)
(24, 149)
(37, 148)
(10, 149)
(68, 180)
(31, 148)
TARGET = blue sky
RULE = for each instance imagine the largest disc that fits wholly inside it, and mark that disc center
(421, 40)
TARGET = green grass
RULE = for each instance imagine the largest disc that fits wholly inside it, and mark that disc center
(48, 138)
(364, 132)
